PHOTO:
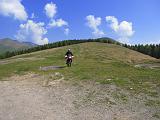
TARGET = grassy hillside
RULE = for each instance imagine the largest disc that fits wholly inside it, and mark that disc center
(57, 44)
(100, 62)
(7, 44)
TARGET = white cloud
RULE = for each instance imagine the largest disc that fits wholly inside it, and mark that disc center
(98, 33)
(57, 23)
(50, 9)
(123, 29)
(32, 16)
(32, 32)
(13, 8)
(114, 22)
(66, 31)
(93, 23)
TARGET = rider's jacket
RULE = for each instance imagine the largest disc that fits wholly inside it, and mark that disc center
(69, 53)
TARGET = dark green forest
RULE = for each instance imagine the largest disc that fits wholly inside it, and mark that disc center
(151, 50)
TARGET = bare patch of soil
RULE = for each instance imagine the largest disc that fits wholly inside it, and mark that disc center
(151, 66)
(45, 68)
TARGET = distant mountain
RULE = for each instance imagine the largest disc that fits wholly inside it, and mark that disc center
(107, 38)
(8, 44)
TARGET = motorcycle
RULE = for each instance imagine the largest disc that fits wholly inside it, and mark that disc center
(69, 60)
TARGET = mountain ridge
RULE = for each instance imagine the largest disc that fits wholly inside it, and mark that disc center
(7, 44)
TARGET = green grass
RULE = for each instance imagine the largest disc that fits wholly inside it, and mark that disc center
(156, 115)
(120, 97)
(100, 62)
(155, 103)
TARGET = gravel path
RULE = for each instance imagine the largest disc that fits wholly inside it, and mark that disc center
(28, 97)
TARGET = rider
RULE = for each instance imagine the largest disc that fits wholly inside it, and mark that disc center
(68, 53)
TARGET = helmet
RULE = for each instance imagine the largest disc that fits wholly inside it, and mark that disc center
(69, 49)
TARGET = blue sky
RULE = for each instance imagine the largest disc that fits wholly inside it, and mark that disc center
(129, 21)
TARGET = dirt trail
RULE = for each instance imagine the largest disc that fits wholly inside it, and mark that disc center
(19, 60)
(30, 97)
(151, 66)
